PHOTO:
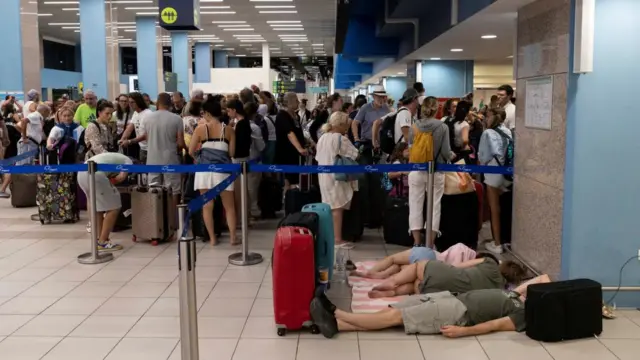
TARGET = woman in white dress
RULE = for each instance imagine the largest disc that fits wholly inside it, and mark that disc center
(337, 194)
(214, 143)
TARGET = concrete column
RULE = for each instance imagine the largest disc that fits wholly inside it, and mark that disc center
(99, 48)
(149, 54)
(203, 62)
(20, 65)
(181, 57)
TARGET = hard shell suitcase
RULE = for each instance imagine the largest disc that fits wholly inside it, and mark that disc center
(24, 188)
(56, 194)
(564, 310)
(124, 220)
(324, 238)
(293, 279)
(458, 221)
(352, 224)
(150, 208)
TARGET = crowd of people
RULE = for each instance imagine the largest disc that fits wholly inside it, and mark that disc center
(255, 126)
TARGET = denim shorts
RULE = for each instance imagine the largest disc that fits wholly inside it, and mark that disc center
(421, 254)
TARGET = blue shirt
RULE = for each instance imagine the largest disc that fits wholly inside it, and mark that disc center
(367, 116)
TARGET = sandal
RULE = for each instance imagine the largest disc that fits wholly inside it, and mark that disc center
(238, 241)
(607, 312)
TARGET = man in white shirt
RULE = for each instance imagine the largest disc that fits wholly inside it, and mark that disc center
(505, 95)
(33, 133)
(406, 112)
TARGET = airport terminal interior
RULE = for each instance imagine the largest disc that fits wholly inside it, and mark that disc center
(510, 99)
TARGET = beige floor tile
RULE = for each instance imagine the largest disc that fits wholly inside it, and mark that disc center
(211, 349)
(515, 350)
(587, 349)
(624, 349)
(218, 307)
(29, 274)
(389, 334)
(229, 290)
(262, 307)
(82, 349)
(220, 327)
(75, 306)
(266, 291)
(312, 349)
(26, 348)
(156, 327)
(209, 273)
(125, 306)
(435, 347)
(263, 328)
(142, 289)
(13, 288)
(266, 349)
(11, 323)
(157, 274)
(116, 274)
(47, 288)
(389, 349)
(51, 325)
(245, 275)
(142, 349)
(96, 289)
(22, 305)
(620, 328)
(105, 326)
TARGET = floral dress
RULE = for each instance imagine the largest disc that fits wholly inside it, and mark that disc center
(337, 194)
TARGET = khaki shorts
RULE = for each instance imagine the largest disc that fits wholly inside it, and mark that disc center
(170, 180)
(427, 314)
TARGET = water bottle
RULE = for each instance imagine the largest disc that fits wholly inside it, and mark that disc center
(339, 274)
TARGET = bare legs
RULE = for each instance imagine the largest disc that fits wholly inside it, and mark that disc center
(493, 196)
(405, 282)
(384, 319)
(228, 201)
(207, 217)
(386, 267)
(6, 180)
(337, 215)
(106, 222)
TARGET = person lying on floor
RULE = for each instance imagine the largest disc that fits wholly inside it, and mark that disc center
(472, 313)
(432, 276)
(392, 264)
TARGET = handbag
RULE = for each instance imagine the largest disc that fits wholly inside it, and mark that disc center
(456, 183)
(345, 161)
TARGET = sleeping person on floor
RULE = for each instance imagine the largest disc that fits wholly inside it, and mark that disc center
(476, 312)
(391, 265)
(432, 276)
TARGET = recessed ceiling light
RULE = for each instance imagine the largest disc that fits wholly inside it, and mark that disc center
(228, 22)
(71, 27)
(275, 6)
(147, 13)
(218, 45)
(292, 35)
(288, 29)
(456, 50)
(239, 55)
(247, 36)
(61, 2)
(278, 11)
(434, 59)
(45, 14)
(317, 44)
(244, 45)
(510, 57)
(238, 29)
(489, 36)
(131, 1)
(214, 7)
(274, 48)
(216, 12)
(284, 22)
(286, 25)
(252, 40)
(401, 73)
(70, 9)
(294, 40)
(234, 26)
(270, 0)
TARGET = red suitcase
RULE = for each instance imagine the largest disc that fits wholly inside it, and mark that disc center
(481, 207)
(293, 279)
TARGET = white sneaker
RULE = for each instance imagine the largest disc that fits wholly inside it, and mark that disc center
(492, 247)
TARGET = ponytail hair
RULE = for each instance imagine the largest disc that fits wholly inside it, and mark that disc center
(429, 107)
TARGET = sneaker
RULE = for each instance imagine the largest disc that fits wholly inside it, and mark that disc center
(109, 246)
(492, 247)
(4, 195)
(325, 320)
(345, 246)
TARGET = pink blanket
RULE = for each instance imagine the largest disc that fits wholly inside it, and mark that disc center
(360, 301)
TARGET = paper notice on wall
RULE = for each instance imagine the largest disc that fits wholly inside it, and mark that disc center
(539, 103)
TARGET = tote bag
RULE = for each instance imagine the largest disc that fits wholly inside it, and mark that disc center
(340, 160)
(456, 183)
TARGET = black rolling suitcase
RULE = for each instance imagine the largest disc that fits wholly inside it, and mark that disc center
(396, 222)
(352, 224)
(269, 197)
(506, 216)
(304, 194)
(307, 220)
(564, 310)
(458, 221)
(198, 228)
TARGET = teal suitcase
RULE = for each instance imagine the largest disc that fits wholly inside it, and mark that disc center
(325, 241)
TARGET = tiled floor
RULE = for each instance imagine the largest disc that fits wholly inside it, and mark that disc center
(51, 307)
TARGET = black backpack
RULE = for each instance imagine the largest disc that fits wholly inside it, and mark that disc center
(509, 152)
(388, 133)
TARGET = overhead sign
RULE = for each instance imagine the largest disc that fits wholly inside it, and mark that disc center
(179, 14)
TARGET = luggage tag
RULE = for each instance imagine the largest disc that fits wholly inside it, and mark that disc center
(127, 213)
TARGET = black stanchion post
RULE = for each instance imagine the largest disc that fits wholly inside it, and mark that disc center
(244, 258)
(430, 186)
(187, 288)
(94, 257)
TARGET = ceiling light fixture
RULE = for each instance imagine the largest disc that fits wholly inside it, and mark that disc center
(285, 25)
(142, 8)
(435, 58)
(317, 44)
(45, 14)
(71, 27)
(294, 40)
(275, 6)
(292, 35)
(70, 9)
(63, 24)
(61, 2)
(278, 11)
(228, 22)
(489, 36)
(130, 1)
(284, 22)
(214, 7)
(270, 0)
(147, 13)
(216, 12)
(456, 50)
(234, 26)
(238, 29)
(218, 45)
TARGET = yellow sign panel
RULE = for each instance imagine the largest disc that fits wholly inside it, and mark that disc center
(169, 15)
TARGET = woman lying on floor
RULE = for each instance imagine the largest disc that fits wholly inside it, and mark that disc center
(432, 276)
(392, 265)
(472, 313)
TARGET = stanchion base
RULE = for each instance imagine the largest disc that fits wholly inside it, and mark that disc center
(251, 259)
(89, 259)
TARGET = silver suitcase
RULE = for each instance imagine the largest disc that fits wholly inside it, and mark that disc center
(151, 216)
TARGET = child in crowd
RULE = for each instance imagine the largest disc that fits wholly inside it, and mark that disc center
(398, 181)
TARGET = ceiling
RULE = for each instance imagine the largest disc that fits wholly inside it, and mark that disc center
(498, 19)
(240, 26)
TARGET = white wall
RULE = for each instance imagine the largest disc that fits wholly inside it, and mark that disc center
(233, 80)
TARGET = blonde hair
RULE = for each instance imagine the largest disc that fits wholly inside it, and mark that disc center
(429, 107)
(336, 120)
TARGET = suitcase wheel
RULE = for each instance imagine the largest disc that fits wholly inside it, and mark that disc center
(154, 242)
(134, 238)
(282, 332)
(315, 329)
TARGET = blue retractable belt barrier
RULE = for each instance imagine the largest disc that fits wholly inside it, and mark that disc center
(15, 159)
(475, 169)
(199, 202)
(177, 169)
(347, 169)
(46, 169)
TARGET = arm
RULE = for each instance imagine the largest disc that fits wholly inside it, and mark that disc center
(294, 141)
(522, 289)
(313, 130)
(375, 133)
(445, 149)
(127, 132)
(53, 138)
(231, 136)
(195, 141)
(465, 136)
(502, 324)
(33, 107)
(180, 140)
